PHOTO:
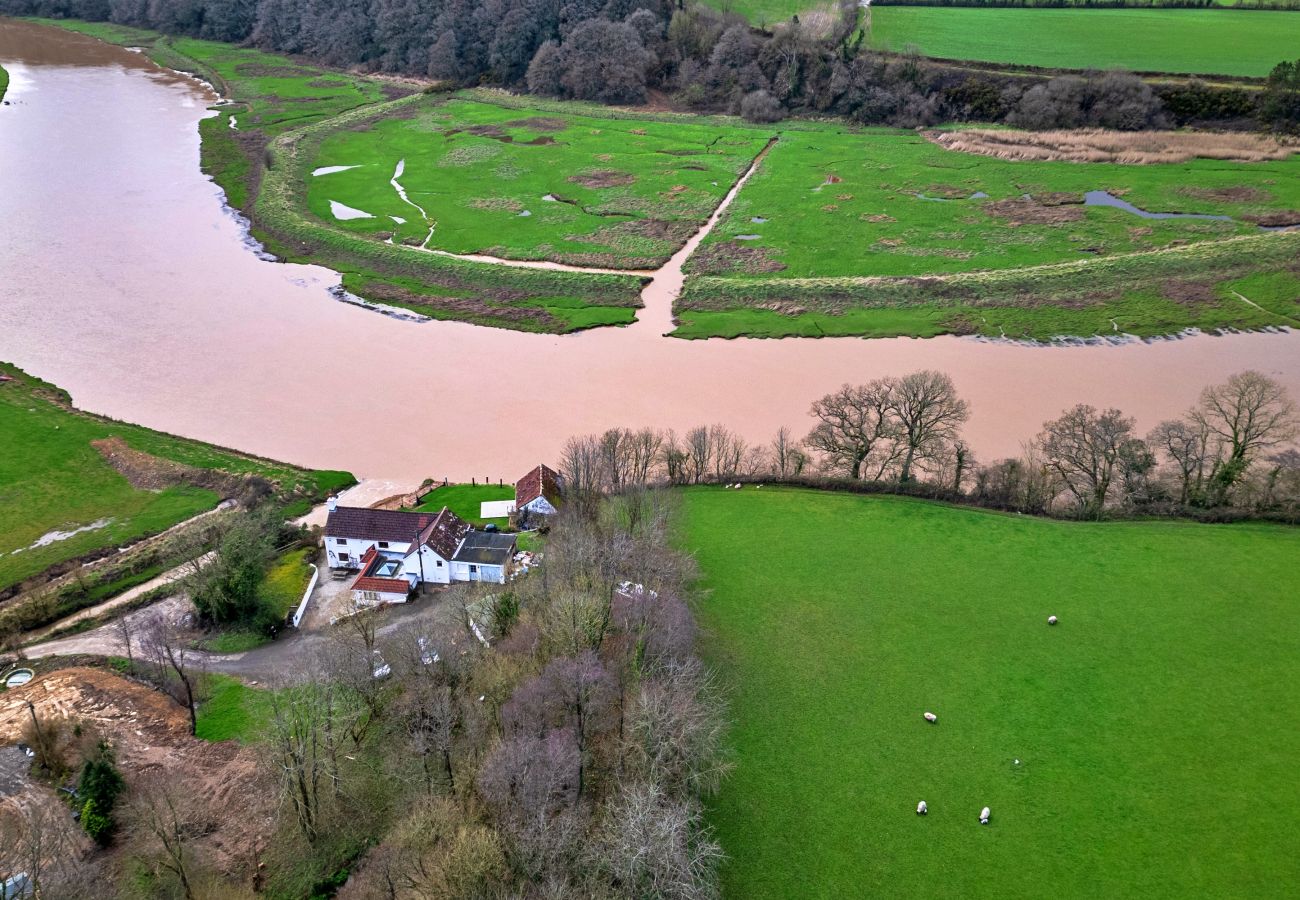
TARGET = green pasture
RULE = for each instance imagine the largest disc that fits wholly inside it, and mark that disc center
(1184, 41)
(1155, 726)
(481, 178)
(52, 479)
(4, 82)
(839, 203)
(464, 500)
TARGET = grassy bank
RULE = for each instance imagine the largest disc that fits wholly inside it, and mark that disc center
(54, 480)
(1185, 41)
(836, 620)
(4, 82)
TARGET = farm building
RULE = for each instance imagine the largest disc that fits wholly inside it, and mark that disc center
(538, 492)
(396, 551)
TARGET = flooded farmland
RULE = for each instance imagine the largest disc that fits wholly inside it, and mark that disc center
(169, 318)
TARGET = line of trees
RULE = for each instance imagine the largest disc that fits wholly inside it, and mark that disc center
(1233, 454)
(617, 51)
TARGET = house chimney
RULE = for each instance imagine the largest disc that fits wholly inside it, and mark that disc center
(331, 503)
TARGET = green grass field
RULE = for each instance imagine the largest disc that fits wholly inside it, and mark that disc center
(4, 82)
(465, 499)
(52, 479)
(1184, 41)
(1156, 726)
(233, 711)
(831, 208)
(483, 178)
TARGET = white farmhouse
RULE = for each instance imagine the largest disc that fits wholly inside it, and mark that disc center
(395, 551)
(538, 493)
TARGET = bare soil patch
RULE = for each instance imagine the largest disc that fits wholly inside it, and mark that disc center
(1282, 218)
(1130, 148)
(731, 256)
(150, 735)
(603, 178)
(540, 123)
(1032, 212)
(1188, 293)
(151, 473)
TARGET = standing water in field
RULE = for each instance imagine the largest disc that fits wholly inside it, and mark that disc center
(139, 296)
(1105, 198)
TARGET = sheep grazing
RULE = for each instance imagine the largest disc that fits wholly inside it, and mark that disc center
(1051, 620)
(931, 718)
(984, 816)
(921, 808)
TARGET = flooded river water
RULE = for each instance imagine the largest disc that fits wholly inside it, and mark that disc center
(124, 281)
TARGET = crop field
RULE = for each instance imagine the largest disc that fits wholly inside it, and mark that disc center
(1141, 748)
(1184, 41)
(482, 178)
(61, 496)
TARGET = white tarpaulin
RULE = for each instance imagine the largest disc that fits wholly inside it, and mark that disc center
(496, 509)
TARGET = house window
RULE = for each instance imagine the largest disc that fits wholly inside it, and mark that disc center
(343, 557)
(340, 540)
(439, 564)
(473, 568)
(383, 545)
(370, 596)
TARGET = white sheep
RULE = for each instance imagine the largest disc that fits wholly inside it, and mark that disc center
(931, 718)
(1051, 620)
(921, 808)
(984, 816)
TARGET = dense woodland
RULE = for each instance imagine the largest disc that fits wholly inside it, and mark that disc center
(623, 51)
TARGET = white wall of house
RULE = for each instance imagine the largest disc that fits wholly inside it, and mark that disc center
(346, 553)
(436, 570)
(493, 574)
(541, 506)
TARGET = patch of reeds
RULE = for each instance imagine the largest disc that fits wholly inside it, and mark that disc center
(1124, 147)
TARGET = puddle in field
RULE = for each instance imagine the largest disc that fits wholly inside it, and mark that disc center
(344, 213)
(550, 198)
(1104, 198)
(398, 219)
(53, 537)
(525, 214)
(758, 220)
(748, 237)
(324, 170)
(978, 195)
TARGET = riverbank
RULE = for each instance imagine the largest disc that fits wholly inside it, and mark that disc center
(79, 486)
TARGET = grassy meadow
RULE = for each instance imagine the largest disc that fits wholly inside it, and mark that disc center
(836, 203)
(4, 82)
(484, 178)
(1155, 727)
(1245, 43)
(53, 480)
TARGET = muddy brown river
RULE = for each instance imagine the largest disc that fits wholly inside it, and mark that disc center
(123, 280)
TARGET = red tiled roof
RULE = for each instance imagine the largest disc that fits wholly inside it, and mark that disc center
(366, 524)
(444, 534)
(367, 582)
(540, 482)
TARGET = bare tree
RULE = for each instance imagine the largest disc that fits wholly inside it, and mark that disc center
(429, 715)
(170, 822)
(581, 465)
(303, 749)
(785, 453)
(1187, 446)
(1248, 413)
(124, 632)
(644, 448)
(928, 412)
(699, 453)
(656, 846)
(1083, 447)
(853, 424)
(180, 668)
(38, 839)
(678, 721)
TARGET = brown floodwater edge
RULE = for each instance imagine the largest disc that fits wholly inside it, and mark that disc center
(124, 280)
